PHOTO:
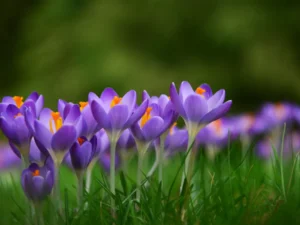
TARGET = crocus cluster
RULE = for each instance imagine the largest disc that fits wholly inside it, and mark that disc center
(101, 129)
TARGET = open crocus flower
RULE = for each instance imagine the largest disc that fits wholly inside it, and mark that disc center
(217, 133)
(152, 124)
(90, 126)
(198, 107)
(37, 182)
(114, 113)
(34, 98)
(56, 132)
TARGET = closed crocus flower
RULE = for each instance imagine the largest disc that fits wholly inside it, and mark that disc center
(82, 152)
(176, 141)
(56, 132)
(114, 113)
(37, 182)
(14, 124)
(126, 141)
(198, 107)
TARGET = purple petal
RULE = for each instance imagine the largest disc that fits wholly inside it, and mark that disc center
(129, 99)
(118, 116)
(37, 155)
(15, 149)
(45, 116)
(145, 95)
(64, 138)
(153, 128)
(28, 105)
(137, 132)
(73, 115)
(176, 100)
(39, 104)
(92, 96)
(61, 106)
(108, 95)
(33, 96)
(185, 90)
(208, 92)
(38, 187)
(195, 107)
(216, 113)
(137, 114)
(6, 127)
(100, 115)
(81, 155)
(8, 100)
(12, 111)
(42, 134)
(216, 100)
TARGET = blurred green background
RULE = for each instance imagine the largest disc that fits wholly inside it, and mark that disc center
(67, 48)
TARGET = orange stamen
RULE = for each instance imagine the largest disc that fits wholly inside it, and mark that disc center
(19, 114)
(36, 173)
(83, 105)
(146, 116)
(279, 110)
(56, 118)
(172, 128)
(18, 100)
(116, 100)
(200, 91)
(80, 141)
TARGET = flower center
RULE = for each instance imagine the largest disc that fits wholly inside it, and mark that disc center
(80, 141)
(172, 128)
(57, 120)
(83, 105)
(116, 100)
(36, 173)
(18, 100)
(200, 91)
(279, 110)
(146, 116)
(217, 126)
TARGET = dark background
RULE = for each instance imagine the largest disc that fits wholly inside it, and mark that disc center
(67, 48)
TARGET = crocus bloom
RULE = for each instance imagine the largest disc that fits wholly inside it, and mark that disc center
(176, 141)
(126, 141)
(8, 159)
(198, 107)
(152, 124)
(13, 123)
(90, 125)
(56, 132)
(114, 113)
(37, 182)
(82, 152)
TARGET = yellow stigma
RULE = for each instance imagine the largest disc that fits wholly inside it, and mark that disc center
(36, 173)
(18, 100)
(146, 116)
(200, 91)
(83, 105)
(116, 100)
(56, 118)
(80, 141)
(218, 126)
(172, 128)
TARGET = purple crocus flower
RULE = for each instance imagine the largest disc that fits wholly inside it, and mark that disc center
(90, 125)
(82, 152)
(37, 154)
(8, 159)
(114, 113)
(199, 107)
(176, 141)
(126, 141)
(56, 132)
(14, 124)
(152, 124)
(37, 182)
(34, 97)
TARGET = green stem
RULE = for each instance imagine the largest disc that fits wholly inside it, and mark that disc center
(56, 189)
(79, 188)
(142, 148)
(39, 213)
(113, 144)
(161, 159)
(281, 162)
(186, 171)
